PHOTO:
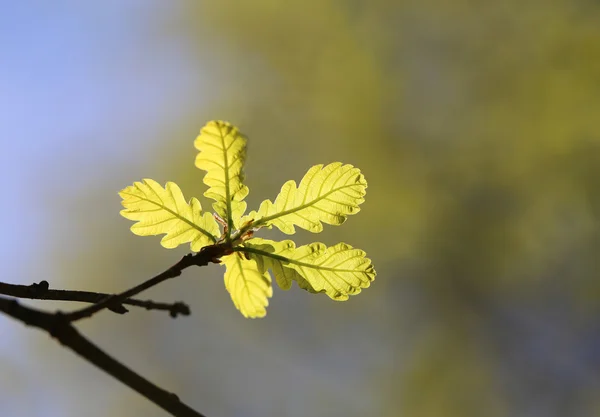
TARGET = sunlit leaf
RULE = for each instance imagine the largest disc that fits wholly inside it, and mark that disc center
(339, 270)
(222, 154)
(249, 287)
(159, 210)
(327, 194)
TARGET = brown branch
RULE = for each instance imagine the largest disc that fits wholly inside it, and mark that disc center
(41, 291)
(59, 327)
(206, 255)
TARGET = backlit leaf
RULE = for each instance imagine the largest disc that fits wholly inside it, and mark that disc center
(159, 210)
(326, 194)
(249, 287)
(222, 154)
(339, 270)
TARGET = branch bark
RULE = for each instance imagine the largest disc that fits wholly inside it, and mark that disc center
(59, 327)
(206, 255)
(41, 291)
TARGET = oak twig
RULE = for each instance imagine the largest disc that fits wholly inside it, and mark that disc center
(41, 291)
(206, 255)
(59, 327)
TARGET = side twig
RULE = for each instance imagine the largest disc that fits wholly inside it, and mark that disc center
(204, 257)
(59, 327)
(41, 291)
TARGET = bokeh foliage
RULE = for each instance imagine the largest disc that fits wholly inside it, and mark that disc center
(478, 125)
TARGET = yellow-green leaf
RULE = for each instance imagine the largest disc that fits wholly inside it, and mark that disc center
(222, 155)
(339, 270)
(283, 250)
(159, 210)
(249, 287)
(327, 194)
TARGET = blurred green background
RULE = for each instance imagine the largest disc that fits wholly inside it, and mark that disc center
(477, 125)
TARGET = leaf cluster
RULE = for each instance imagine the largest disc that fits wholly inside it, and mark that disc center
(326, 194)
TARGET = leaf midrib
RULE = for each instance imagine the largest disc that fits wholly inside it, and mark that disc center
(177, 215)
(227, 190)
(292, 261)
(301, 207)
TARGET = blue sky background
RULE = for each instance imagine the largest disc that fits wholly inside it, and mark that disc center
(82, 84)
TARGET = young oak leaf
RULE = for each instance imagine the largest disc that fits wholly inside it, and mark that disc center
(159, 210)
(339, 270)
(222, 155)
(327, 194)
(249, 287)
